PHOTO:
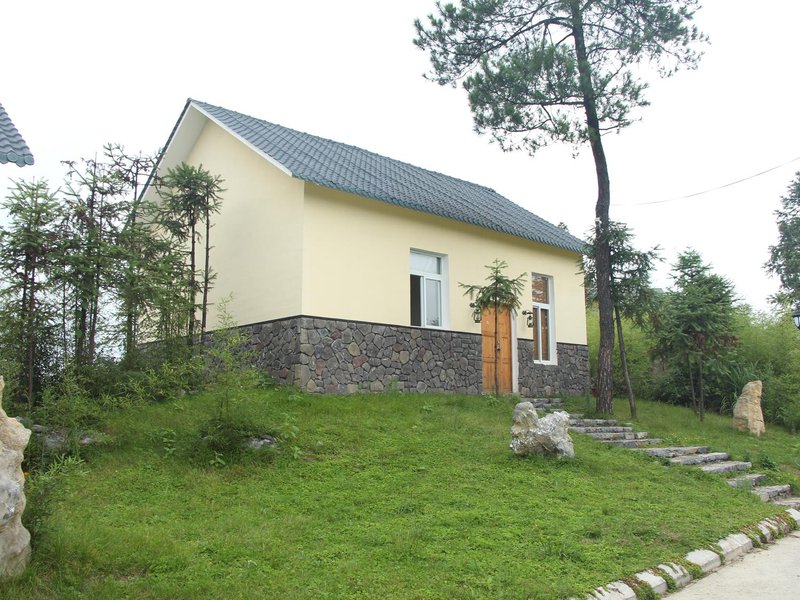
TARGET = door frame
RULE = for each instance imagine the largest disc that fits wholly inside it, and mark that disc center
(514, 351)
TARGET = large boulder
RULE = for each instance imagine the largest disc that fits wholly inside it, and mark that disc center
(747, 415)
(532, 435)
(15, 541)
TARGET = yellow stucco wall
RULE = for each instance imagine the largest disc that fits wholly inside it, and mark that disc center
(258, 236)
(283, 247)
(356, 263)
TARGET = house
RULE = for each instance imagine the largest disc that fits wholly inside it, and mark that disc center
(13, 148)
(345, 265)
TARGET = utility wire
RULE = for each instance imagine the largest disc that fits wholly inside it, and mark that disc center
(708, 191)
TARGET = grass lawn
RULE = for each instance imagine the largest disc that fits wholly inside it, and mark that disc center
(394, 496)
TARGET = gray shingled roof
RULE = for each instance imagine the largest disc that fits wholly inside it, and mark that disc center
(12, 147)
(350, 169)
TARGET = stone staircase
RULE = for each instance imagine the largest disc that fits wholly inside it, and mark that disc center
(609, 431)
(777, 494)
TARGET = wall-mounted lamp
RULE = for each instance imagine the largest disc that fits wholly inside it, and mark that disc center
(477, 312)
(529, 319)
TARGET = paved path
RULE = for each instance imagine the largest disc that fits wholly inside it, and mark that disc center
(773, 573)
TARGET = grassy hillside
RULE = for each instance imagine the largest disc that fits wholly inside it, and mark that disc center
(776, 454)
(395, 496)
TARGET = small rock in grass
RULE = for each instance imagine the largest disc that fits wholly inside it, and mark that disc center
(547, 436)
(15, 547)
(259, 442)
(747, 415)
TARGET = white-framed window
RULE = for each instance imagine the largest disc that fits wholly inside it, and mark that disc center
(544, 344)
(428, 289)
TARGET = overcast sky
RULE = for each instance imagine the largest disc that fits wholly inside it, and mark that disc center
(79, 74)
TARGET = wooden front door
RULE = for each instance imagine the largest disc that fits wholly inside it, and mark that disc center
(496, 351)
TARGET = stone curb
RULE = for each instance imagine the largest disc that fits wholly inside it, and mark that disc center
(725, 550)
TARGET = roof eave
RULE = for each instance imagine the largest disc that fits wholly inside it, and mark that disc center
(255, 149)
(180, 127)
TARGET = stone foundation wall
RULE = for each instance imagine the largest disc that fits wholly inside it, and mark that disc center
(275, 344)
(570, 377)
(336, 356)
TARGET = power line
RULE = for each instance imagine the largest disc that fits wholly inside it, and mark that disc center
(708, 191)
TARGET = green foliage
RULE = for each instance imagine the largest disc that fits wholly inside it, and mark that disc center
(529, 70)
(164, 382)
(765, 462)
(770, 345)
(41, 489)
(189, 196)
(500, 291)
(29, 247)
(88, 272)
(697, 324)
(784, 260)
(768, 349)
(631, 287)
(631, 292)
(231, 379)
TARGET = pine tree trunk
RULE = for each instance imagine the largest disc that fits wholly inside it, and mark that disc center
(22, 378)
(192, 286)
(64, 305)
(605, 382)
(702, 395)
(623, 359)
(691, 384)
(31, 337)
(206, 277)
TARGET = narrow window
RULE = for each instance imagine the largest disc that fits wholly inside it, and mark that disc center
(427, 276)
(542, 310)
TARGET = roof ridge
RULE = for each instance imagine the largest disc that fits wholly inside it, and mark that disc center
(355, 170)
(342, 144)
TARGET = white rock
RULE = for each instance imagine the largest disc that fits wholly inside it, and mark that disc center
(532, 435)
(679, 574)
(656, 582)
(15, 541)
(747, 415)
(735, 545)
(705, 559)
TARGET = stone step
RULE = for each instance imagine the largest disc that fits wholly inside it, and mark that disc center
(791, 502)
(619, 435)
(767, 493)
(633, 443)
(727, 466)
(537, 402)
(592, 422)
(673, 451)
(697, 459)
(609, 429)
(751, 479)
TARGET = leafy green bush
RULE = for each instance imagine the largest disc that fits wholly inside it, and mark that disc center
(163, 383)
(41, 486)
(767, 349)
